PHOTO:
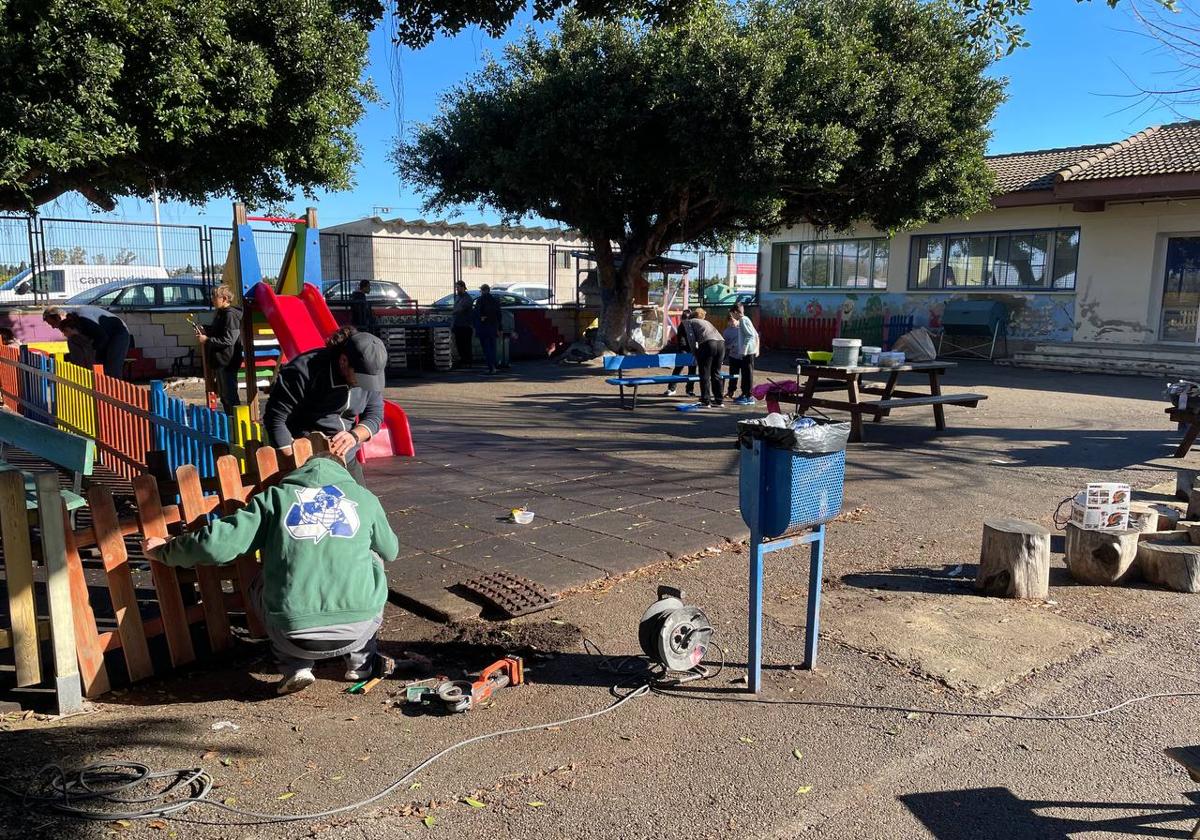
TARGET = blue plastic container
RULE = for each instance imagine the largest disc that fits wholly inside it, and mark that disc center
(780, 490)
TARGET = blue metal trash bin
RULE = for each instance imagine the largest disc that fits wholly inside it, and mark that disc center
(781, 490)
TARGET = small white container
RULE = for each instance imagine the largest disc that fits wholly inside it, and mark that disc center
(870, 355)
(845, 352)
(522, 516)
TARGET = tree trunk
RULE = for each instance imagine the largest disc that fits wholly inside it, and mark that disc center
(1185, 482)
(1171, 564)
(1014, 559)
(1103, 557)
(1142, 517)
(616, 295)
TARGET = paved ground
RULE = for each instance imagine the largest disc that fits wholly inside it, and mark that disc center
(707, 763)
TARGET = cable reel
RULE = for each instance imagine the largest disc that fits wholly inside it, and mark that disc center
(675, 636)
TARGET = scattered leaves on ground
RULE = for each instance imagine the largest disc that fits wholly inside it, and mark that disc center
(745, 739)
(414, 786)
(803, 789)
(473, 802)
(429, 821)
(536, 804)
(287, 795)
(228, 762)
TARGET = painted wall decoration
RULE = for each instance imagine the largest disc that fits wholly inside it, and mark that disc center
(1033, 316)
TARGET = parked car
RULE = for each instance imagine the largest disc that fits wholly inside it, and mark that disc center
(171, 293)
(506, 299)
(58, 283)
(539, 293)
(382, 293)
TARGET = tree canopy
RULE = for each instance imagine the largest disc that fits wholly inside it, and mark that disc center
(253, 98)
(732, 120)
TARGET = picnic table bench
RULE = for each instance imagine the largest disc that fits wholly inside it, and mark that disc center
(1189, 417)
(648, 361)
(813, 377)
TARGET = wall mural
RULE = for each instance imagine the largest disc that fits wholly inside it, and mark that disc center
(1041, 317)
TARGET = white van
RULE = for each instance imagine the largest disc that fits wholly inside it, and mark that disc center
(56, 283)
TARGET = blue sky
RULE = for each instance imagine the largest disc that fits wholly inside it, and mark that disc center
(1070, 87)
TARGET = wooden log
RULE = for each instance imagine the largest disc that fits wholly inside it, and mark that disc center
(1185, 482)
(1014, 559)
(1172, 564)
(1101, 557)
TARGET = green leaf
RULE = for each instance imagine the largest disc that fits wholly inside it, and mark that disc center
(429, 820)
(745, 739)
(803, 789)
(799, 755)
(536, 804)
(414, 786)
(473, 802)
(228, 762)
(287, 795)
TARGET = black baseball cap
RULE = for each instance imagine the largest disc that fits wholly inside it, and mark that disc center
(368, 359)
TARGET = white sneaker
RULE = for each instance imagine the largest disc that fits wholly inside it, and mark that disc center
(670, 392)
(377, 665)
(297, 680)
(360, 674)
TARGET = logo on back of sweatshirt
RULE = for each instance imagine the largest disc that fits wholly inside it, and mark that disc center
(321, 512)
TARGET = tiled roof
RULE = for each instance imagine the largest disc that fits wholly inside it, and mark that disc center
(1036, 170)
(1172, 149)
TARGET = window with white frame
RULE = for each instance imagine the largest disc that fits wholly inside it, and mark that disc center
(830, 263)
(1014, 259)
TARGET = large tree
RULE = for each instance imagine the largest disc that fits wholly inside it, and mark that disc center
(730, 121)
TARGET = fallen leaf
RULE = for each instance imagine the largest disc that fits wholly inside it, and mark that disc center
(287, 795)
(746, 740)
(537, 804)
(230, 800)
(473, 802)
(626, 737)
(414, 786)
(803, 789)
(123, 823)
(913, 715)
(157, 825)
(336, 778)
(799, 755)
(228, 762)
(429, 821)
(205, 756)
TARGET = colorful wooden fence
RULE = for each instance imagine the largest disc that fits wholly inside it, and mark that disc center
(127, 421)
(818, 333)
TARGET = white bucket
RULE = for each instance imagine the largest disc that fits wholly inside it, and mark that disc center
(845, 352)
(870, 355)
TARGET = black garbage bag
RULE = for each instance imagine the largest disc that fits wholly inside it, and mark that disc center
(821, 438)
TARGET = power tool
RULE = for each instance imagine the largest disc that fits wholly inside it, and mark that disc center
(462, 695)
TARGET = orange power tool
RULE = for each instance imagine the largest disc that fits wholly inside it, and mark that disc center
(461, 695)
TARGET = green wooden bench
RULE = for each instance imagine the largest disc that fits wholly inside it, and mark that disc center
(71, 452)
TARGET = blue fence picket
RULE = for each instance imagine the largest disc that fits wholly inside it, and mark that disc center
(38, 390)
(189, 433)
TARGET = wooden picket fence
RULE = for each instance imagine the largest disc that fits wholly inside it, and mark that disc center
(127, 421)
(101, 602)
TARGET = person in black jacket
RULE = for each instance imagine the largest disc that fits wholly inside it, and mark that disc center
(221, 343)
(361, 314)
(681, 345)
(107, 333)
(488, 314)
(337, 390)
(461, 324)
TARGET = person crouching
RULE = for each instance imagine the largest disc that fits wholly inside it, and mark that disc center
(322, 588)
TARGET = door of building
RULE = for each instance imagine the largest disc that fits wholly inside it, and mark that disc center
(1181, 291)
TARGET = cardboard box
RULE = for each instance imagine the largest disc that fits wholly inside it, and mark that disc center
(1101, 507)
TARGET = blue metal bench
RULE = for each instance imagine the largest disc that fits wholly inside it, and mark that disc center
(649, 361)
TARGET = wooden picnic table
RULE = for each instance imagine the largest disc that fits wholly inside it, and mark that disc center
(812, 377)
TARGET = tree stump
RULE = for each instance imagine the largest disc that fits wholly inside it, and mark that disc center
(1185, 482)
(1014, 559)
(1101, 557)
(1169, 515)
(1172, 564)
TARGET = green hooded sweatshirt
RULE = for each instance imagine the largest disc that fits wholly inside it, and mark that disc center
(316, 530)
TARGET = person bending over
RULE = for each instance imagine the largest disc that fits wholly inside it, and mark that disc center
(322, 588)
(107, 333)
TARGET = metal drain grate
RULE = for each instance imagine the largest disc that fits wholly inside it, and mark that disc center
(512, 594)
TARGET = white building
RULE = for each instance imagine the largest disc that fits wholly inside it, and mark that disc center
(425, 258)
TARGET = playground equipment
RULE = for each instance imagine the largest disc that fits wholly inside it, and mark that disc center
(296, 313)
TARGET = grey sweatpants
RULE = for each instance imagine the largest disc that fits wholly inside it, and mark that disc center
(303, 648)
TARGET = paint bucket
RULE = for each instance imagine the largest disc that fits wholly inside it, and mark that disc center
(845, 352)
(870, 355)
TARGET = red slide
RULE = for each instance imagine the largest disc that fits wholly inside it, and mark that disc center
(301, 323)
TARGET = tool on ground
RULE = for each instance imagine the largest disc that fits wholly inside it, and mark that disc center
(675, 636)
(384, 665)
(463, 695)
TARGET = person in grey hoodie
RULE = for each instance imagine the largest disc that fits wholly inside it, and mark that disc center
(748, 348)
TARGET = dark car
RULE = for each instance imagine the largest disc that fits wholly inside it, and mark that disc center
(505, 298)
(383, 293)
(178, 293)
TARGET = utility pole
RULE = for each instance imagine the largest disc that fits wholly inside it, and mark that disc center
(157, 229)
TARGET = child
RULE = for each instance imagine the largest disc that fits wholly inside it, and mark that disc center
(733, 354)
(322, 588)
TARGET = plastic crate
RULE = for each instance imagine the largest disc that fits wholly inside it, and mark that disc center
(781, 490)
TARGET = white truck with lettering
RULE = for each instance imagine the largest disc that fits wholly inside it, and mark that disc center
(56, 283)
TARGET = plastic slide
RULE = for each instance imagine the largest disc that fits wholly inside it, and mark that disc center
(301, 323)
